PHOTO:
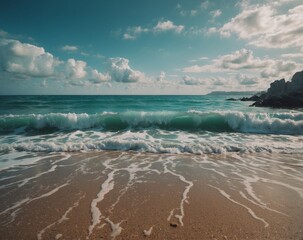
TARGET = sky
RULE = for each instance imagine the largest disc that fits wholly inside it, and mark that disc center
(148, 47)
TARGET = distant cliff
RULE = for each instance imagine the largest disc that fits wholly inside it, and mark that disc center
(282, 94)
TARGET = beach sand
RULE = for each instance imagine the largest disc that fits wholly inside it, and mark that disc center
(125, 195)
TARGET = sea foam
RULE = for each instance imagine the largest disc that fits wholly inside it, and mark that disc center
(215, 121)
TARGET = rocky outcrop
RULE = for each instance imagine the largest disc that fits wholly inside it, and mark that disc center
(254, 98)
(282, 94)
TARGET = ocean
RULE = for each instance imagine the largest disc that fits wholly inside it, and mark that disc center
(158, 124)
(129, 167)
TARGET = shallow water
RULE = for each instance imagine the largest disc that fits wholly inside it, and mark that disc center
(105, 194)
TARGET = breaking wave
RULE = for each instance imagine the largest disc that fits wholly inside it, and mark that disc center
(228, 121)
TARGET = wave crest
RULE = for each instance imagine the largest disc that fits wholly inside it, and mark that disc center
(228, 121)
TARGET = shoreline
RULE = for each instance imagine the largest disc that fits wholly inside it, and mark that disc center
(128, 195)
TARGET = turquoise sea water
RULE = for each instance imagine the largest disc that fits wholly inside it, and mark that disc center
(159, 124)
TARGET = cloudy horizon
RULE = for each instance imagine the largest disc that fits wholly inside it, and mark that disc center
(176, 47)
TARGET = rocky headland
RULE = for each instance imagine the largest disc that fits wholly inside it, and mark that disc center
(282, 94)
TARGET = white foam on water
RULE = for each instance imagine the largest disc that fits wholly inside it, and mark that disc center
(148, 232)
(58, 236)
(9, 177)
(50, 192)
(16, 159)
(247, 181)
(106, 187)
(116, 229)
(155, 141)
(18, 205)
(171, 213)
(250, 211)
(298, 190)
(26, 180)
(62, 219)
(260, 205)
(15, 205)
(184, 195)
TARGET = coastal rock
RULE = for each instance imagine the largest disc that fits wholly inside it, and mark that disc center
(254, 98)
(283, 94)
(173, 224)
(285, 101)
(296, 84)
(232, 99)
(277, 88)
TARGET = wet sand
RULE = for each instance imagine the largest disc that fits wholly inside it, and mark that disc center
(124, 195)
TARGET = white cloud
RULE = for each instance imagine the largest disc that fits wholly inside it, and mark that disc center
(241, 59)
(276, 68)
(187, 80)
(193, 12)
(26, 59)
(266, 26)
(98, 77)
(133, 32)
(75, 69)
(247, 80)
(245, 60)
(120, 71)
(232, 82)
(204, 5)
(69, 48)
(168, 25)
(128, 36)
(292, 55)
(161, 76)
(216, 13)
(208, 82)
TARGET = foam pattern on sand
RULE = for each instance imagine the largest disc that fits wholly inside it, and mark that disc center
(245, 183)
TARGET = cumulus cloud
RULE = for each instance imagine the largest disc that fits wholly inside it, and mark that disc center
(98, 77)
(132, 33)
(245, 60)
(207, 81)
(168, 25)
(69, 48)
(187, 80)
(75, 69)
(26, 59)
(247, 80)
(266, 26)
(233, 81)
(216, 13)
(120, 71)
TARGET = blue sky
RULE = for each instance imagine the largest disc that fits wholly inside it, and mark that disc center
(147, 47)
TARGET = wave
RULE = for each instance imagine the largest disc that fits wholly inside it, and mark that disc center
(159, 141)
(227, 121)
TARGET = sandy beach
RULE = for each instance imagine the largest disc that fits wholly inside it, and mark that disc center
(124, 195)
